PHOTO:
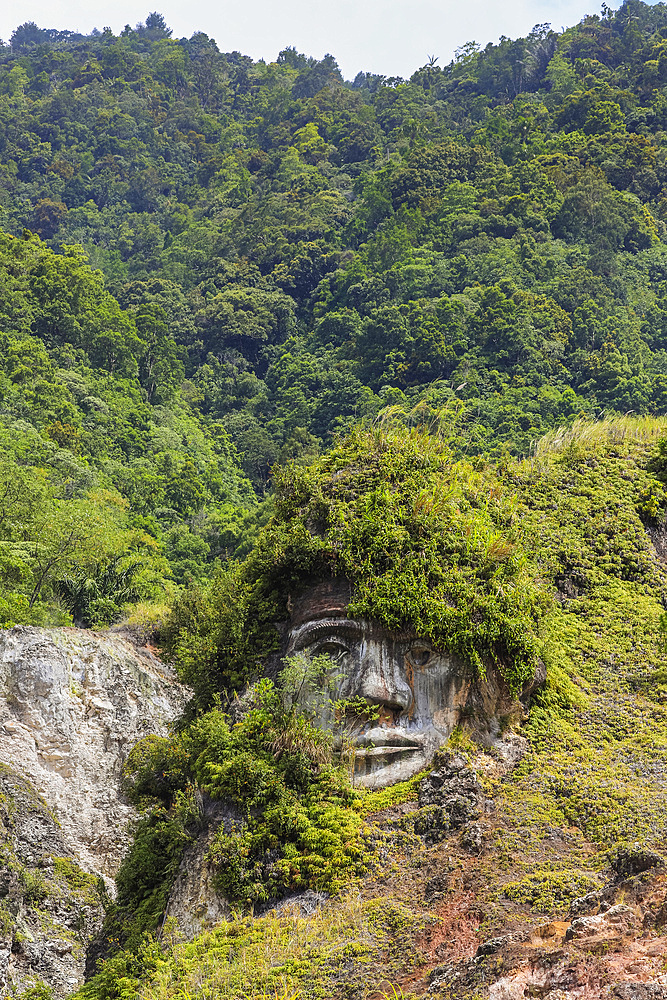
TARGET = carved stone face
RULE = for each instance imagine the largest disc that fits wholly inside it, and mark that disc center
(414, 693)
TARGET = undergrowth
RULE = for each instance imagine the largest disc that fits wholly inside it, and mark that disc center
(295, 821)
(594, 774)
(277, 955)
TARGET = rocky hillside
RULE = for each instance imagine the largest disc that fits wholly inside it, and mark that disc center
(50, 907)
(529, 860)
(72, 704)
(350, 395)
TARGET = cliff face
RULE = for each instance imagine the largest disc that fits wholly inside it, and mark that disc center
(50, 909)
(524, 864)
(193, 901)
(72, 704)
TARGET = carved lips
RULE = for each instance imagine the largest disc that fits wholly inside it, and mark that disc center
(382, 747)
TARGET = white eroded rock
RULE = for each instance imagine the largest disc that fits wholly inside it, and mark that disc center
(614, 922)
(72, 704)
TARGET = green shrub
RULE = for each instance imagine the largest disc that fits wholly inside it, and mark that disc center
(33, 885)
(119, 977)
(40, 991)
(545, 889)
(300, 824)
(155, 768)
(149, 869)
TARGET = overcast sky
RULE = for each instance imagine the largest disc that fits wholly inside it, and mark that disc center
(393, 37)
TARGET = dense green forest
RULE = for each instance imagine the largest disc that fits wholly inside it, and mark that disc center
(260, 325)
(211, 265)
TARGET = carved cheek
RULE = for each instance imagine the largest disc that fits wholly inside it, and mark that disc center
(434, 689)
(445, 719)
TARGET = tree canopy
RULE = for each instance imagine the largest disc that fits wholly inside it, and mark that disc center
(211, 264)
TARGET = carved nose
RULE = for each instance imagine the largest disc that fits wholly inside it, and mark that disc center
(381, 684)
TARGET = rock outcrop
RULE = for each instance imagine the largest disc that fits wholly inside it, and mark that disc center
(50, 909)
(450, 798)
(72, 704)
(193, 901)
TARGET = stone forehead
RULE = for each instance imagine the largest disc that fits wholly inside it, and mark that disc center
(324, 604)
(327, 601)
(321, 599)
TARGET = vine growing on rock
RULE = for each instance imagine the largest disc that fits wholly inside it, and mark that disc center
(431, 545)
(296, 821)
(586, 504)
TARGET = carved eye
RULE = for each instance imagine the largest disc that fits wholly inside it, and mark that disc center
(334, 650)
(420, 655)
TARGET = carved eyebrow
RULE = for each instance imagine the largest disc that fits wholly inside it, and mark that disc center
(310, 631)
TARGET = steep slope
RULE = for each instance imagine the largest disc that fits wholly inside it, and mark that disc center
(72, 705)
(111, 488)
(212, 264)
(307, 250)
(50, 907)
(527, 863)
(235, 263)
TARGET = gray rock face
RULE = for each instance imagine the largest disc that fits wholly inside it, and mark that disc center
(453, 784)
(50, 909)
(72, 704)
(193, 902)
(615, 921)
(450, 798)
(634, 860)
(640, 991)
(416, 691)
